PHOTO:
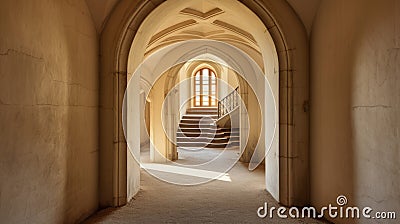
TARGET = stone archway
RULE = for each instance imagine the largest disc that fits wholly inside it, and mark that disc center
(291, 44)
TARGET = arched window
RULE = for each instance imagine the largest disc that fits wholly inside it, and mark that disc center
(205, 87)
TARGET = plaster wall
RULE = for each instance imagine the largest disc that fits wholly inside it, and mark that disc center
(232, 80)
(144, 137)
(254, 118)
(158, 151)
(305, 10)
(355, 116)
(134, 134)
(185, 91)
(223, 83)
(48, 112)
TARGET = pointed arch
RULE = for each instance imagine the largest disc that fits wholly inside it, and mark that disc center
(290, 39)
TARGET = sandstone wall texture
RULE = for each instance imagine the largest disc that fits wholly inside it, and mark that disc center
(355, 102)
(48, 111)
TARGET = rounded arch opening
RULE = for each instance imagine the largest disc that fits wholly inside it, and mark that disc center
(291, 52)
(205, 87)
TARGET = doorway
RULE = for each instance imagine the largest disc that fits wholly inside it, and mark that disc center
(287, 37)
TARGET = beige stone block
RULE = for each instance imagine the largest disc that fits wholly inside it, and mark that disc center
(283, 141)
(265, 18)
(106, 92)
(283, 105)
(277, 37)
(300, 186)
(291, 139)
(283, 79)
(284, 182)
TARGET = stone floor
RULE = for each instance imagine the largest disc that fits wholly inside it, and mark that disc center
(233, 201)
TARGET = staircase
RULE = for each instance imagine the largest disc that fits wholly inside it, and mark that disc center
(197, 129)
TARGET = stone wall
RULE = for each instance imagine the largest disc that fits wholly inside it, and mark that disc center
(48, 112)
(355, 116)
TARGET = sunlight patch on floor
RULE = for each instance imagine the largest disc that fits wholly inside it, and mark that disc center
(187, 171)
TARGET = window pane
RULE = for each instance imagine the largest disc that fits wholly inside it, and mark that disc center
(205, 72)
(197, 101)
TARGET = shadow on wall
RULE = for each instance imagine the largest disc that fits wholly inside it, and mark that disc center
(48, 112)
(352, 146)
(81, 50)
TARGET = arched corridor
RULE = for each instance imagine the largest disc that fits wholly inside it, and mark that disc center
(110, 109)
(260, 99)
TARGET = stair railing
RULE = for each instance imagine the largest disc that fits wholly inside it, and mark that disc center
(228, 103)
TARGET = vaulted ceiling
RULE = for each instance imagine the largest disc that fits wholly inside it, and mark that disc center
(202, 19)
(100, 10)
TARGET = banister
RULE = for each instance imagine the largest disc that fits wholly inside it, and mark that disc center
(228, 103)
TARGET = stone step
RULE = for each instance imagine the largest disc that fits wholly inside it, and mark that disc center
(199, 117)
(230, 129)
(202, 109)
(231, 134)
(199, 130)
(201, 145)
(185, 125)
(234, 143)
(234, 138)
(211, 129)
(217, 145)
(190, 121)
(202, 112)
(197, 134)
(201, 139)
